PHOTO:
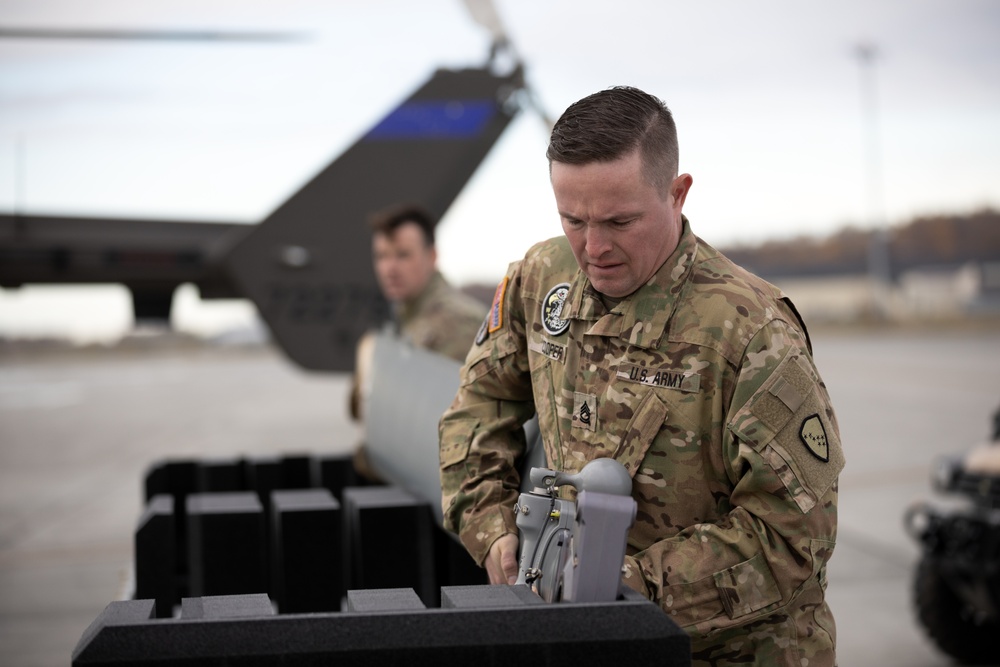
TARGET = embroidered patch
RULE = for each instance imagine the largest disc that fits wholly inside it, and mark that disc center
(495, 316)
(660, 377)
(547, 348)
(813, 436)
(552, 307)
(584, 411)
(483, 332)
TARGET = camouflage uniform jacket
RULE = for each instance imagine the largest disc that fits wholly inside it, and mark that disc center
(702, 385)
(442, 319)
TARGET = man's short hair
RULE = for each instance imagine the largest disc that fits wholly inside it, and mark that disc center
(389, 220)
(610, 124)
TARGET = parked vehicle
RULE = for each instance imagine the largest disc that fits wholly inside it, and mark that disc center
(957, 581)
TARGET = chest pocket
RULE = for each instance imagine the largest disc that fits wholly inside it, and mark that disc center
(641, 431)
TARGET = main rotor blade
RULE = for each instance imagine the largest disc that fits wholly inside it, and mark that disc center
(148, 35)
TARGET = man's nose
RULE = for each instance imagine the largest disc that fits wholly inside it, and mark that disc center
(598, 241)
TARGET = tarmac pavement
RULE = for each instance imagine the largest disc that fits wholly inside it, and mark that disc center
(79, 429)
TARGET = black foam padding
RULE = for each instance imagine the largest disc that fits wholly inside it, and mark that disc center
(626, 632)
(453, 564)
(482, 597)
(130, 613)
(264, 475)
(226, 544)
(221, 475)
(154, 482)
(383, 600)
(306, 552)
(336, 473)
(299, 472)
(389, 539)
(253, 605)
(155, 555)
(178, 478)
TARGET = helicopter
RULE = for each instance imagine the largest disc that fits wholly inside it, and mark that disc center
(306, 265)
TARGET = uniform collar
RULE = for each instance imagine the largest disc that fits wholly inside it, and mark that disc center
(641, 317)
(408, 309)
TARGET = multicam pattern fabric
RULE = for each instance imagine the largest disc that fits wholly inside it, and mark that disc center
(442, 319)
(699, 383)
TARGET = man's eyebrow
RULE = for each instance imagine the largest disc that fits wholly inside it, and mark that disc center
(617, 217)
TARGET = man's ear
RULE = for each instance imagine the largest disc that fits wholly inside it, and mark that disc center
(679, 189)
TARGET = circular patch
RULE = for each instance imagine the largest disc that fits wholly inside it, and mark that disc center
(552, 308)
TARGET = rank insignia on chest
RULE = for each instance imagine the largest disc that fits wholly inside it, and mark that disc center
(552, 309)
(584, 411)
(813, 436)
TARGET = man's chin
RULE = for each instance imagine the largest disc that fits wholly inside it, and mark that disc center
(392, 294)
(613, 288)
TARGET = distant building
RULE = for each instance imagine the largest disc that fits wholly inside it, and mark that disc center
(918, 293)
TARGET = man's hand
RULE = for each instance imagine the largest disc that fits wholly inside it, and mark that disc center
(501, 561)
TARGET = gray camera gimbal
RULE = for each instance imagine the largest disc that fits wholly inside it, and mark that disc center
(574, 551)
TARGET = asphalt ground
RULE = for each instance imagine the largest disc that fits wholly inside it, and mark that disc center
(79, 429)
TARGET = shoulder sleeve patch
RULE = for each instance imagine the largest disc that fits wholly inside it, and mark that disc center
(495, 317)
(789, 421)
(813, 436)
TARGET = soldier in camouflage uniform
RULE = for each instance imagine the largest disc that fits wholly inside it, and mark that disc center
(427, 310)
(442, 319)
(634, 339)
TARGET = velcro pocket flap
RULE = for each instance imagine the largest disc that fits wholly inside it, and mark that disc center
(486, 359)
(641, 431)
(456, 438)
(747, 587)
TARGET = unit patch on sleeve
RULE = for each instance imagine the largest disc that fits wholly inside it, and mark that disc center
(660, 377)
(482, 333)
(813, 435)
(552, 308)
(496, 310)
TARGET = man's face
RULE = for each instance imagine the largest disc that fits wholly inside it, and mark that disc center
(404, 263)
(620, 227)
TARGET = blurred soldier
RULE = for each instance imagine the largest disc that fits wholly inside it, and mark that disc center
(427, 310)
(634, 339)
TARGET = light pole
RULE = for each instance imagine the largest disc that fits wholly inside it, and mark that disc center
(879, 271)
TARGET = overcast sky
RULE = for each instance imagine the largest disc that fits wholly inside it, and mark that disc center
(767, 96)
